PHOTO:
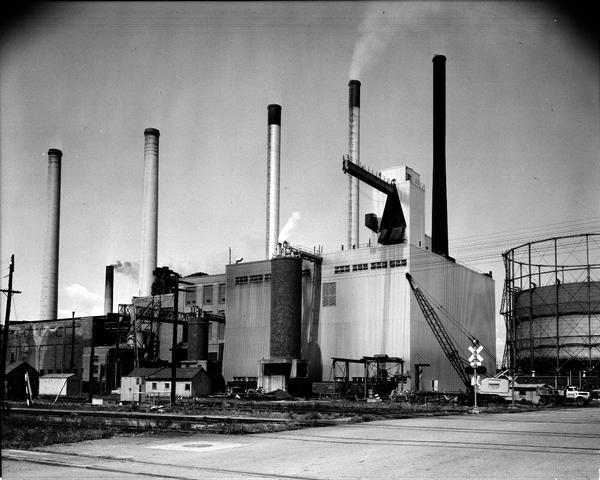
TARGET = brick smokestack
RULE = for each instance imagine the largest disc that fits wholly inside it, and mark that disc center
(108, 289)
(149, 212)
(273, 159)
(49, 290)
(354, 152)
(439, 204)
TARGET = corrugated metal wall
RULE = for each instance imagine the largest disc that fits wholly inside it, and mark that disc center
(468, 298)
(248, 317)
(371, 311)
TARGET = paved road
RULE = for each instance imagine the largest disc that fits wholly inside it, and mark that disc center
(548, 444)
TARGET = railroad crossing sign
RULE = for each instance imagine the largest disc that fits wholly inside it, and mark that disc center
(475, 359)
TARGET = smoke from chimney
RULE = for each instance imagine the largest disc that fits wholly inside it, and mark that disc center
(439, 203)
(376, 32)
(49, 284)
(129, 269)
(289, 226)
(149, 212)
(273, 163)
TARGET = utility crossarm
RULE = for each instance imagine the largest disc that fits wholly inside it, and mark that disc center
(440, 333)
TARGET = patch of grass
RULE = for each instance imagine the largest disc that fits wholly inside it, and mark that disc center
(24, 436)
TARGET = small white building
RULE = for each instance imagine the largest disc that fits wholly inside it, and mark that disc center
(133, 385)
(60, 384)
(191, 382)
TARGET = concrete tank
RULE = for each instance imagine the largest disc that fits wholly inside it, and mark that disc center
(286, 307)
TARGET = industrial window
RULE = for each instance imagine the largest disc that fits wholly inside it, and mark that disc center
(207, 294)
(187, 387)
(329, 294)
(222, 290)
(398, 263)
(190, 296)
(221, 331)
(256, 278)
(241, 280)
(376, 265)
(267, 277)
(306, 272)
(210, 331)
(360, 266)
(154, 386)
(341, 269)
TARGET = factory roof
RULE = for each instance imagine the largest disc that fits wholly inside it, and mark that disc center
(58, 375)
(180, 373)
(143, 371)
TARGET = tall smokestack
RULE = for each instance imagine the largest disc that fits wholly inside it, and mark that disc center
(439, 204)
(49, 293)
(354, 151)
(149, 211)
(108, 289)
(273, 159)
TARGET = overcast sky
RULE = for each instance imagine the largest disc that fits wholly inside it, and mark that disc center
(88, 78)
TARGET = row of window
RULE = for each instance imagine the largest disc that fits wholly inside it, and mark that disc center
(154, 386)
(207, 294)
(374, 266)
(244, 279)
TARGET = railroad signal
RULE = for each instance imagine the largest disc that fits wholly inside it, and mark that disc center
(475, 359)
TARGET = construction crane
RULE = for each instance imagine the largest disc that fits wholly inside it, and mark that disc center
(392, 226)
(441, 334)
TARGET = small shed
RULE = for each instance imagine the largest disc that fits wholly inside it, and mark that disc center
(60, 385)
(15, 383)
(191, 382)
(133, 385)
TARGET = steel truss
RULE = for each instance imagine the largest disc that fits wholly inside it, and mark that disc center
(551, 305)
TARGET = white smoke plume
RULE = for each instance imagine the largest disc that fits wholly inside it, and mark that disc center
(289, 226)
(128, 269)
(376, 32)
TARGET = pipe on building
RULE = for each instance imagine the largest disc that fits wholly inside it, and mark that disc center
(273, 163)
(49, 290)
(108, 289)
(149, 212)
(439, 209)
(354, 152)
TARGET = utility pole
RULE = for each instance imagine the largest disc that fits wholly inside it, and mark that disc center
(174, 345)
(9, 293)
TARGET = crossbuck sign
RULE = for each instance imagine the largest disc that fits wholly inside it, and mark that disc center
(475, 359)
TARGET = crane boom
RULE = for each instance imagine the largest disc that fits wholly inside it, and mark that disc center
(440, 333)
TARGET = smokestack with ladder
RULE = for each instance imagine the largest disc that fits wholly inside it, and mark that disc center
(354, 152)
(49, 291)
(149, 212)
(439, 204)
(273, 159)
(108, 289)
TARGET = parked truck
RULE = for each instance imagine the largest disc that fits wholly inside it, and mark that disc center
(557, 396)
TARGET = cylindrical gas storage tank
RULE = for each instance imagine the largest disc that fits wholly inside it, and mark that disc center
(198, 339)
(286, 307)
(552, 304)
